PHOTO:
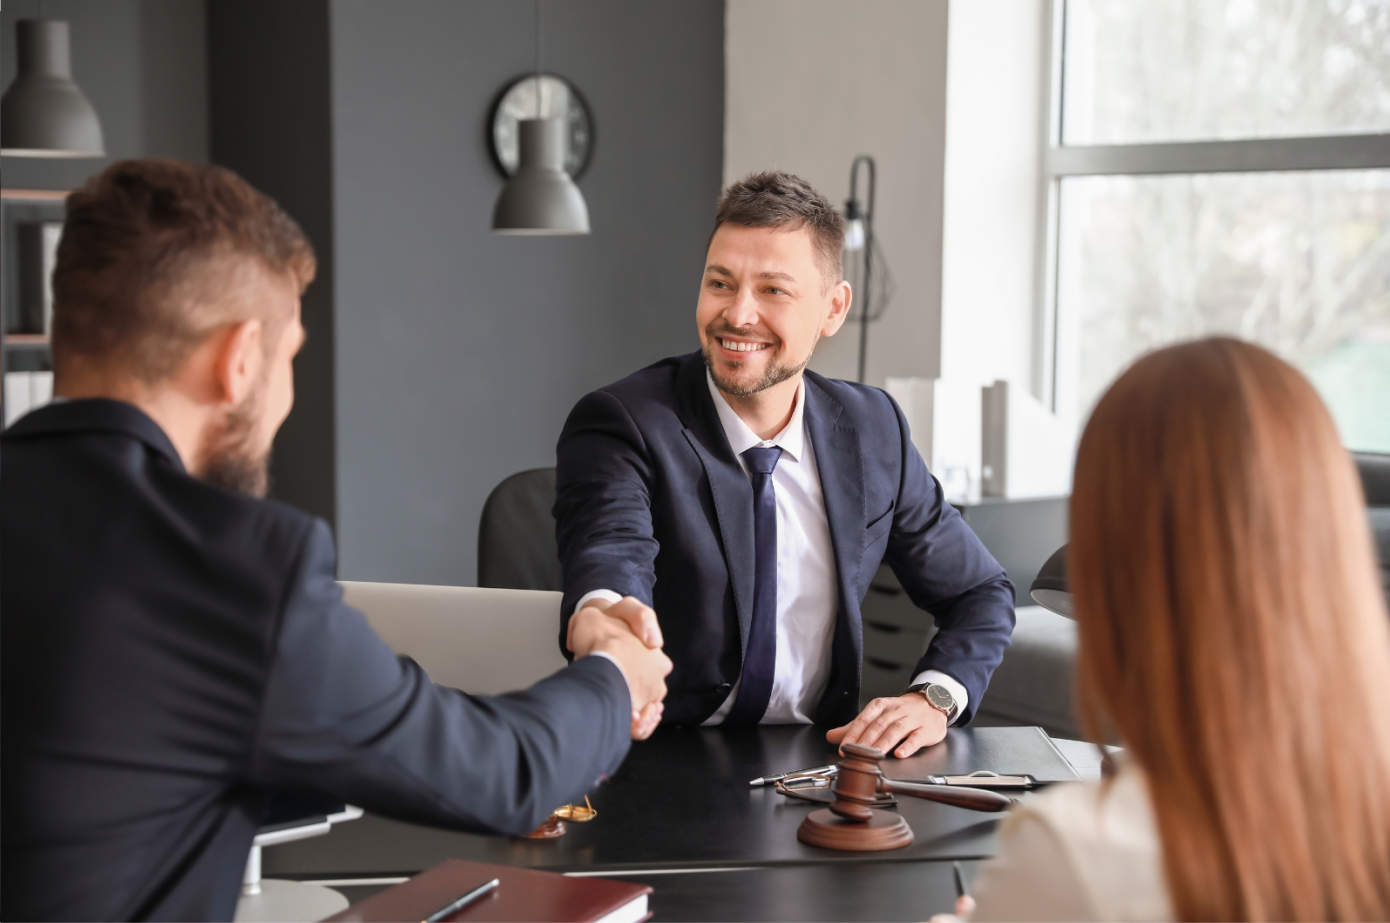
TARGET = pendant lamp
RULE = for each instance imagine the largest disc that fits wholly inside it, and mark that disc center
(43, 112)
(540, 198)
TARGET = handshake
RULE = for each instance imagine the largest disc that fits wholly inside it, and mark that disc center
(628, 632)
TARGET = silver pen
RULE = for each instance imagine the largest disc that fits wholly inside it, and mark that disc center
(826, 771)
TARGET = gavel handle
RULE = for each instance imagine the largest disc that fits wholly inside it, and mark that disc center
(974, 799)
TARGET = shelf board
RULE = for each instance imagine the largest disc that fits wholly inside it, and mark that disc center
(34, 195)
(26, 339)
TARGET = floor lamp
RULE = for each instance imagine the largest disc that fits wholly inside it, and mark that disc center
(876, 286)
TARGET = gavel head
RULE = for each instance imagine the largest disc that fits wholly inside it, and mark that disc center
(856, 785)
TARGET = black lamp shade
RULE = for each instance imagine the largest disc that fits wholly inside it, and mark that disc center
(1049, 588)
(540, 198)
(43, 113)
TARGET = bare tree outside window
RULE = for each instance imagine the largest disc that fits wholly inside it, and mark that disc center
(1298, 261)
(1197, 70)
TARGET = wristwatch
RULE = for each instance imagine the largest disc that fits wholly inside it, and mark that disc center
(937, 696)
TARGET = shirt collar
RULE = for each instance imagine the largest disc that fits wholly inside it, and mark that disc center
(791, 440)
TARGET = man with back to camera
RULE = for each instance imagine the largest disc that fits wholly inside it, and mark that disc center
(750, 501)
(175, 648)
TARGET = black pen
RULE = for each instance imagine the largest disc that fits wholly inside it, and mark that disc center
(462, 902)
(961, 890)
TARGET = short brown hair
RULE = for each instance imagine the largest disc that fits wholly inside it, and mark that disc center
(143, 242)
(783, 200)
(1233, 633)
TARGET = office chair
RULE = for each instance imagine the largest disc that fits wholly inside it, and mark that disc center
(516, 534)
(1375, 481)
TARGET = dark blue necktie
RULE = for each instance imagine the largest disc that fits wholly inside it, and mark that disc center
(760, 660)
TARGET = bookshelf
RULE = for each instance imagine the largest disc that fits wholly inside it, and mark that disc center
(22, 349)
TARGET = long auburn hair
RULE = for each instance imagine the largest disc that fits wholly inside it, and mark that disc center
(1234, 635)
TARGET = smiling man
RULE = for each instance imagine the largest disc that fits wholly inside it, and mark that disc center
(749, 501)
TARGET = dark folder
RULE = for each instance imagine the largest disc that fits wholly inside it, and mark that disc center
(1006, 750)
(524, 894)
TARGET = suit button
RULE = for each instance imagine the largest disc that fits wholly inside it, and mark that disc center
(723, 687)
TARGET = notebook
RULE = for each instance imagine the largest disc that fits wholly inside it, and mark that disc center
(524, 894)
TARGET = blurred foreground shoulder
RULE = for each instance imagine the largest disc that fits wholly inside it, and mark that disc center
(1085, 851)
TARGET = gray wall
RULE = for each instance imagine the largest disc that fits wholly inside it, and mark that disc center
(868, 77)
(142, 63)
(459, 353)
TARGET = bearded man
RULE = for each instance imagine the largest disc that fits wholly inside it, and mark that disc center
(174, 647)
(750, 501)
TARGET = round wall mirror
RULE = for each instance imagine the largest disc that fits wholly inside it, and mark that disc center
(545, 97)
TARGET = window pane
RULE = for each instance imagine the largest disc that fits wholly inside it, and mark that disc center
(1298, 262)
(1188, 70)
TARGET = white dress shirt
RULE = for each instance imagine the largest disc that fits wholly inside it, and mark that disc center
(807, 586)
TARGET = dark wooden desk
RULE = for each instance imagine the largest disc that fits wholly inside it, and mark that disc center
(682, 800)
(883, 891)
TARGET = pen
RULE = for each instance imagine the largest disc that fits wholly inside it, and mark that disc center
(456, 906)
(778, 777)
(961, 890)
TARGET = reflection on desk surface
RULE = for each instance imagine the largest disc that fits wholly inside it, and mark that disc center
(681, 800)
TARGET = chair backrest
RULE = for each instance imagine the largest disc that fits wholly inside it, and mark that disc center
(516, 535)
(483, 641)
(1375, 481)
(1374, 469)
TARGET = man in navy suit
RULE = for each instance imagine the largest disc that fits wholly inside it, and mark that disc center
(174, 647)
(750, 501)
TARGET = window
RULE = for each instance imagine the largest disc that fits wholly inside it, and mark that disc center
(1223, 166)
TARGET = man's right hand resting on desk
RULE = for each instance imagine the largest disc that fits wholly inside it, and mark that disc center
(627, 632)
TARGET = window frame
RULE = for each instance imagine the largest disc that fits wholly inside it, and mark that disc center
(1350, 151)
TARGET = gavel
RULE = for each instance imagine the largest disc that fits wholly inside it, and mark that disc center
(850, 823)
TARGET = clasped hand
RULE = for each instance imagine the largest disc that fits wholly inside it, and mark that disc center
(907, 722)
(627, 631)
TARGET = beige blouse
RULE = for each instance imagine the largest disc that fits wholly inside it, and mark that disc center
(1080, 851)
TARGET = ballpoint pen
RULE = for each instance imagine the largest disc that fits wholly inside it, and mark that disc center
(455, 906)
(826, 771)
(961, 890)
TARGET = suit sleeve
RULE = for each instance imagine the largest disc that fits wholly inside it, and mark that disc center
(345, 717)
(946, 570)
(603, 514)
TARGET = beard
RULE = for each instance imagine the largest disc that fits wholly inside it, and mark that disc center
(231, 458)
(774, 374)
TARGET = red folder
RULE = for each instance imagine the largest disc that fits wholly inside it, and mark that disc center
(524, 894)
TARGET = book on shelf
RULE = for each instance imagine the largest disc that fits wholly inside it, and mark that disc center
(523, 894)
(26, 391)
(38, 254)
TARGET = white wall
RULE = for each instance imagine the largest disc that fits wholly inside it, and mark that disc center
(994, 119)
(811, 83)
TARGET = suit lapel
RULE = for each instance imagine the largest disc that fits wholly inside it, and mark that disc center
(841, 467)
(729, 485)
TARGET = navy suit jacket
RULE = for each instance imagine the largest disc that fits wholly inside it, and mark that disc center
(651, 502)
(173, 652)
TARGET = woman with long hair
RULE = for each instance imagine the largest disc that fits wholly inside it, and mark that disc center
(1234, 639)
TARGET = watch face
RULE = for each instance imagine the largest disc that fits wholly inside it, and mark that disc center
(940, 697)
(548, 97)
